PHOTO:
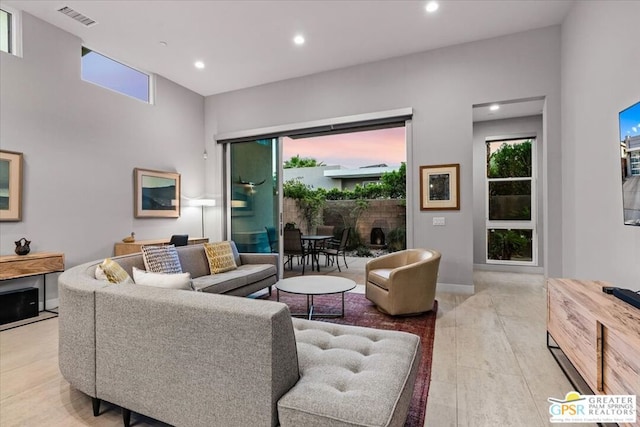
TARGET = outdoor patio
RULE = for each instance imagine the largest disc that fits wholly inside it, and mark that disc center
(355, 271)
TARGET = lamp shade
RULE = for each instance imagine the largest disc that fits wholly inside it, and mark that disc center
(203, 202)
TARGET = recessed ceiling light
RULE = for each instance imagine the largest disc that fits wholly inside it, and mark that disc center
(494, 107)
(299, 40)
(199, 65)
(432, 6)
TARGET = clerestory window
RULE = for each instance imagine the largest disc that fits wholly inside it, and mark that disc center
(108, 73)
(10, 31)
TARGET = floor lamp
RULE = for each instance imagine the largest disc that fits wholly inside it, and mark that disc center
(203, 203)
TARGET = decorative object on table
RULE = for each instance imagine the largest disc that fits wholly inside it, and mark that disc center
(22, 246)
(10, 186)
(157, 194)
(440, 187)
(130, 239)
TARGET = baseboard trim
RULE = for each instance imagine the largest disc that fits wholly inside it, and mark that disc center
(509, 268)
(455, 288)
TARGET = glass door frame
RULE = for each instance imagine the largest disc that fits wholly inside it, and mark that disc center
(228, 183)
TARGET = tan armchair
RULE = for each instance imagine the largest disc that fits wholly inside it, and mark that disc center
(403, 282)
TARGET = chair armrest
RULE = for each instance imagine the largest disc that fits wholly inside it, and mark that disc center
(263, 258)
(391, 260)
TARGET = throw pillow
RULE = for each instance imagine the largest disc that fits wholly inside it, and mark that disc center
(161, 259)
(162, 280)
(220, 256)
(112, 272)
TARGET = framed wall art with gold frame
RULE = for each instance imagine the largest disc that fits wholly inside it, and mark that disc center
(440, 187)
(10, 186)
(157, 194)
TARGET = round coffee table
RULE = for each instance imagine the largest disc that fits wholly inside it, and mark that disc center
(315, 285)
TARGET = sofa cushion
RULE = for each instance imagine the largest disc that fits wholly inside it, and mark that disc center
(380, 277)
(161, 259)
(257, 272)
(162, 280)
(220, 256)
(112, 272)
(351, 376)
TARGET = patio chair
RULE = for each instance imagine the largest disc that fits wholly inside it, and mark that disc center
(335, 248)
(293, 247)
(273, 238)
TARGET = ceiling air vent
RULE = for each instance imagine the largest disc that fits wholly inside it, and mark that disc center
(84, 20)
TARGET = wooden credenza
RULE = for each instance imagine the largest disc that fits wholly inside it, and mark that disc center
(121, 248)
(33, 264)
(598, 333)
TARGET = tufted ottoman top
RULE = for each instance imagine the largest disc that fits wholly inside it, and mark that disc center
(350, 376)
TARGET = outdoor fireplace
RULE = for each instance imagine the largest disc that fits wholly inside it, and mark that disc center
(377, 236)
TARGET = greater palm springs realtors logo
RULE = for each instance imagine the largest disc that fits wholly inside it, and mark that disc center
(578, 408)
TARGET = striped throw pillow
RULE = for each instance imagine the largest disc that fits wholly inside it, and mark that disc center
(161, 259)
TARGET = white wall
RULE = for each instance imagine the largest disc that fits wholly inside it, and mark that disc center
(600, 77)
(507, 128)
(81, 143)
(441, 86)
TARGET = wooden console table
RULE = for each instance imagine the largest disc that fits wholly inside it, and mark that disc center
(598, 333)
(121, 248)
(34, 264)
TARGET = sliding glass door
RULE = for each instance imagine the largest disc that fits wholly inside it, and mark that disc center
(253, 195)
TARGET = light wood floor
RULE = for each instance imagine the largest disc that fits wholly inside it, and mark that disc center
(490, 368)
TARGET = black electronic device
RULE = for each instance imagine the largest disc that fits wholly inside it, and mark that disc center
(19, 304)
(608, 289)
(628, 296)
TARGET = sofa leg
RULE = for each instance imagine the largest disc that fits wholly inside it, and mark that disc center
(269, 290)
(96, 406)
(126, 417)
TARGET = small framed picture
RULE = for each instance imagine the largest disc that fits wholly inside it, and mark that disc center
(10, 186)
(440, 187)
(157, 194)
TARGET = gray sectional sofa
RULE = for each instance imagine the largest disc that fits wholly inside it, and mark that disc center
(203, 359)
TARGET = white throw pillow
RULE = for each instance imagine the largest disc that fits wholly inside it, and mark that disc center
(162, 280)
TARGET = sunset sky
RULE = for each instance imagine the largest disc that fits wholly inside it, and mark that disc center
(352, 150)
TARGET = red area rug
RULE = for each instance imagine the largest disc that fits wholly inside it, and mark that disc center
(361, 312)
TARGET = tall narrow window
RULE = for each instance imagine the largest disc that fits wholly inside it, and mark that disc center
(511, 234)
(108, 73)
(6, 31)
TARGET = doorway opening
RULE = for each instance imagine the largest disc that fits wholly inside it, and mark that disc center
(354, 180)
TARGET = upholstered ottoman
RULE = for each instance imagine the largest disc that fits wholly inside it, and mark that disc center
(350, 376)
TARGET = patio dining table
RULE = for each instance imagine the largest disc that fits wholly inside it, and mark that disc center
(314, 245)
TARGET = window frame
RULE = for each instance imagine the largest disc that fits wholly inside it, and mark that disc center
(530, 224)
(15, 30)
(150, 76)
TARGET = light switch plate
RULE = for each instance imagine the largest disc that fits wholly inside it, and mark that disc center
(438, 220)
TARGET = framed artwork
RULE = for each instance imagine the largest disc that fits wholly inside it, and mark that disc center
(440, 187)
(157, 194)
(10, 186)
